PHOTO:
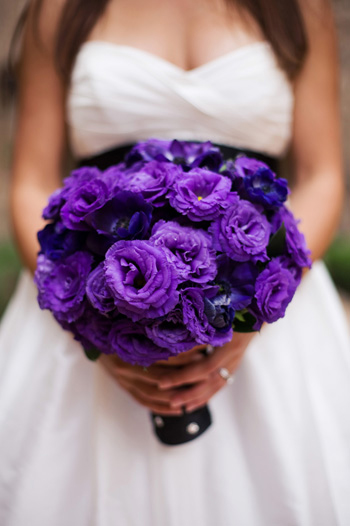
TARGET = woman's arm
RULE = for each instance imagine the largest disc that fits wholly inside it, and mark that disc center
(40, 131)
(316, 145)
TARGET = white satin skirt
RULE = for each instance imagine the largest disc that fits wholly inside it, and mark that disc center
(76, 450)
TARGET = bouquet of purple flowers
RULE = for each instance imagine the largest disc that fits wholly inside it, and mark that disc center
(173, 247)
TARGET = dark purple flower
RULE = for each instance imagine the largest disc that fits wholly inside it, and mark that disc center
(190, 250)
(260, 182)
(241, 232)
(82, 201)
(130, 342)
(171, 332)
(92, 329)
(237, 280)
(56, 200)
(274, 289)
(141, 279)
(288, 263)
(126, 216)
(207, 320)
(62, 285)
(295, 241)
(81, 176)
(153, 181)
(188, 154)
(57, 242)
(150, 150)
(98, 291)
(199, 194)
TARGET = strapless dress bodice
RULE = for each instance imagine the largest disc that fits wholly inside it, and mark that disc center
(120, 94)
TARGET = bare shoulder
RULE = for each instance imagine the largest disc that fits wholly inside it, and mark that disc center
(44, 17)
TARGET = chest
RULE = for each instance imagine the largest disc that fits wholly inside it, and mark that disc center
(185, 33)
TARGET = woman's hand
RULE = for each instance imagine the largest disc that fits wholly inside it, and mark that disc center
(188, 380)
(143, 383)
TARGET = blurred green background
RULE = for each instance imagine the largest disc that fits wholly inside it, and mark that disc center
(338, 256)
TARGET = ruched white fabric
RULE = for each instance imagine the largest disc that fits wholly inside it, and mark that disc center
(241, 99)
(76, 450)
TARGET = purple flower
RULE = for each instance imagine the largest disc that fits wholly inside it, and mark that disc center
(82, 201)
(98, 291)
(260, 183)
(207, 324)
(199, 194)
(185, 153)
(241, 232)
(237, 280)
(141, 279)
(92, 329)
(295, 240)
(81, 176)
(274, 289)
(62, 285)
(288, 263)
(190, 250)
(130, 342)
(126, 216)
(153, 181)
(57, 242)
(56, 200)
(171, 332)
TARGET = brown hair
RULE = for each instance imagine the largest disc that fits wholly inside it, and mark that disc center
(281, 23)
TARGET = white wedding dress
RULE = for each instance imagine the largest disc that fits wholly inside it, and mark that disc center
(75, 449)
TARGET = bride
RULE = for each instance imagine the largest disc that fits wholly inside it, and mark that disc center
(77, 447)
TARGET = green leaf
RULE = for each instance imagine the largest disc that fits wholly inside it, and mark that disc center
(277, 243)
(92, 354)
(244, 321)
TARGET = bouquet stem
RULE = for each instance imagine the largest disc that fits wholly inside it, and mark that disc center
(176, 430)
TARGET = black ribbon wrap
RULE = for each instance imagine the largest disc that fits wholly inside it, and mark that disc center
(176, 430)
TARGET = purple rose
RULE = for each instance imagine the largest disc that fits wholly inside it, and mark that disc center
(56, 200)
(115, 178)
(170, 332)
(274, 289)
(92, 329)
(190, 250)
(141, 279)
(130, 342)
(196, 306)
(260, 183)
(98, 291)
(126, 216)
(57, 242)
(241, 232)
(295, 240)
(185, 153)
(80, 177)
(153, 181)
(82, 201)
(77, 179)
(288, 263)
(199, 194)
(62, 285)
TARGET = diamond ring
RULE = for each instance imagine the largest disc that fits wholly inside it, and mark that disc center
(225, 374)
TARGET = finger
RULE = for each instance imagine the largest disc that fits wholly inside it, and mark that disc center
(158, 408)
(116, 367)
(147, 391)
(195, 372)
(199, 393)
